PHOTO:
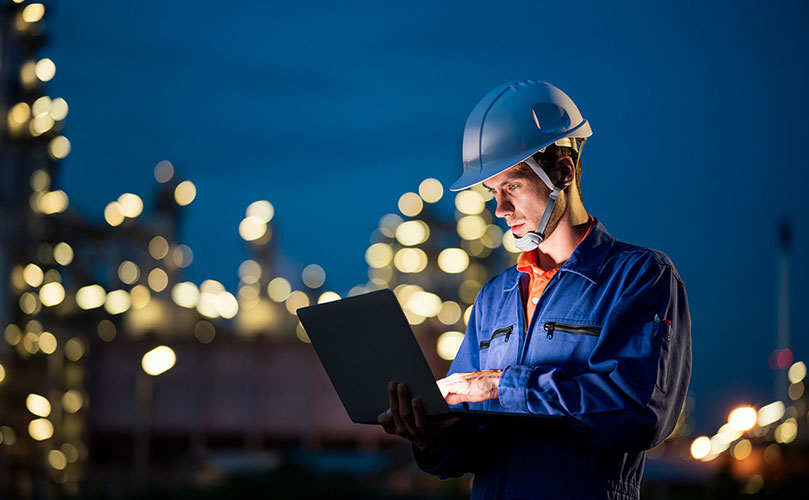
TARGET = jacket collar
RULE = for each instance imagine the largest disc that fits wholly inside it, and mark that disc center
(587, 259)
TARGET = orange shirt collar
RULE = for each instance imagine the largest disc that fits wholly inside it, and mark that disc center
(529, 261)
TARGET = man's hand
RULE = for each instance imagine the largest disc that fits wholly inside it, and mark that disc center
(406, 418)
(470, 387)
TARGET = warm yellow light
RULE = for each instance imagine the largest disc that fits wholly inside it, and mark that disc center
(448, 344)
(33, 12)
(38, 405)
(431, 190)
(742, 418)
(2, 373)
(295, 301)
(113, 214)
(28, 75)
(62, 253)
(797, 372)
(29, 343)
(770, 413)
(41, 106)
(388, 224)
(47, 342)
(493, 237)
(252, 228)
(279, 289)
(410, 260)
(787, 431)
(467, 314)
(313, 276)
(106, 330)
(410, 204)
(250, 271)
(207, 304)
(469, 202)
(158, 360)
(140, 296)
(185, 193)
(118, 302)
(19, 114)
(72, 401)
(128, 272)
(158, 279)
(424, 304)
(45, 69)
(262, 209)
(508, 242)
(471, 227)
(59, 109)
(412, 232)
(71, 452)
(29, 303)
(53, 202)
(226, 305)
(163, 171)
(795, 391)
(40, 429)
(57, 459)
(204, 332)
(131, 205)
(33, 275)
(40, 124)
(40, 181)
(90, 297)
(51, 294)
(700, 447)
(379, 255)
(450, 313)
(158, 247)
(742, 449)
(453, 260)
(300, 332)
(185, 294)
(182, 255)
(328, 297)
(12, 334)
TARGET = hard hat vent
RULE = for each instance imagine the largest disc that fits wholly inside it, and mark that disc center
(549, 117)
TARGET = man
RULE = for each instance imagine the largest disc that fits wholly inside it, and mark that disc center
(585, 328)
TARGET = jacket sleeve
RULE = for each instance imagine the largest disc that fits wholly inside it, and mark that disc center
(465, 441)
(632, 392)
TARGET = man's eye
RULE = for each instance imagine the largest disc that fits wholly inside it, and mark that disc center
(512, 186)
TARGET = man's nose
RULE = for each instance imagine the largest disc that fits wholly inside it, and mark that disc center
(504, 208)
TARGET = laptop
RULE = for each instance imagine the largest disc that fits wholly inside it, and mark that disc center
(364, 342)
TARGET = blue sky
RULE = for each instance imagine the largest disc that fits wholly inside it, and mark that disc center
(332, 111)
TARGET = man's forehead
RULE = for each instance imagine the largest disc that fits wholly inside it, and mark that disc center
(517, 171)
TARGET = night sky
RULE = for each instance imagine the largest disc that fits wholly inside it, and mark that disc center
(331, 111)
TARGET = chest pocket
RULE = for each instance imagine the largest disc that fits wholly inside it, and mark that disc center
(497, 351)
(565, 344)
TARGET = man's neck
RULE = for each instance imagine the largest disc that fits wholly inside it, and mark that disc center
(554, 251)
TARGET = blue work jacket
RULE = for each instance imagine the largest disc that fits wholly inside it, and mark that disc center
(608, 350)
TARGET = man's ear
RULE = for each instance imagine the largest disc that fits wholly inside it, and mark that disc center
(564, 171)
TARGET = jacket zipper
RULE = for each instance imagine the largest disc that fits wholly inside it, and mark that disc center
(553, 326)
(497, 333)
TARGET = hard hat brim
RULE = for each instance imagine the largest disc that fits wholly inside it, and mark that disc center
(470, 177)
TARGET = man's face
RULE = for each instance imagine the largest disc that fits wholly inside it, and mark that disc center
(521, 198)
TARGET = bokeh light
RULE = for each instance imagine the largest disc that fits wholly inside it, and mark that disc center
(471, 227)
(38, 405)
(328, 297)
(410, 204)
(163, 171)
(262, 209)
(453, 260)
(130, 205)
(90, 296)
(313, 276)
(743, 418)
(410, 260)
(184, 193)
(296, 300)
(448, 344)
(797, 372)
(412, 232)
(128, 272)
(33, 275)
(113, 214)
(700, 447)
(469, 202)
(51, 294)
(158, 279)
(63, 253)
(118, 302)
(431, 190)
(278, 289)
(379, 255)
(40, 429)
(158, 360)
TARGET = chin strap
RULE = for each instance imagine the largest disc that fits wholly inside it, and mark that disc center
(532, 239)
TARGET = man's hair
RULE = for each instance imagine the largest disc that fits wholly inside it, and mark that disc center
(552, 153)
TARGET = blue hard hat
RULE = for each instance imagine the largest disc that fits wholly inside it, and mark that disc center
(514, 121)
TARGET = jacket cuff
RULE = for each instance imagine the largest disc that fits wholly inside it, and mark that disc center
(513, 386)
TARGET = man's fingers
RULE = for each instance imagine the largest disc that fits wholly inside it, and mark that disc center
(418, 414)
(406, 410)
